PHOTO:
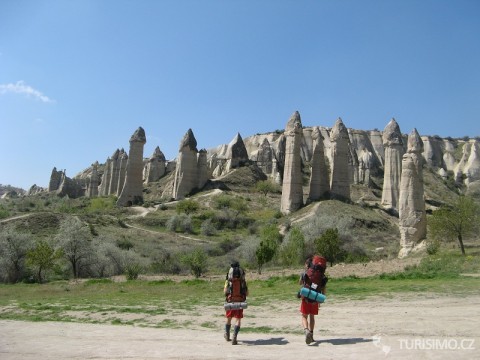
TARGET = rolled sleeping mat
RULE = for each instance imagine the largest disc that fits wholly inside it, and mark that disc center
(312, 295)
(235, 305)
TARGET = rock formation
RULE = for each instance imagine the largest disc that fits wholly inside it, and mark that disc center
(202, 169)
(340, 178)
(292, 190)
(55, 180)
(104, 188)
(35, 189)
(264, 157)
(191, 168)
(319, 186)
(411, 204)
(156, 166)
(236, 153)
(132, 192)
(394, 150)
(365, 164)
(92, 182)
(123, 161)
(468, 167)
(62, 185)
(114, 172)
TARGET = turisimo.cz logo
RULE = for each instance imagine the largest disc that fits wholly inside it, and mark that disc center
(437, 344)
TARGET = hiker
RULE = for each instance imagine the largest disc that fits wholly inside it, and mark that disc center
(313, 278)
(235, 291)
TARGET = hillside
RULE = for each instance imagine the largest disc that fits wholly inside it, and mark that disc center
(227, 223)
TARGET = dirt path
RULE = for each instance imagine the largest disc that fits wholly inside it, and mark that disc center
(422, 326)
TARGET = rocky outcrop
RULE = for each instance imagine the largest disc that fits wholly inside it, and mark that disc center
(55, 180)
(123, 161)
(365, 166)
(155, 167)
(70, 187)
(92, 182)
(191, 168)
(319, 185)
(35, 189)
(264, 157)
(132, 192)
(236, 153)
(468, 168)
(202, 169)
(292, 190)
(394, 150)
(340, 177)
(229, 157)
(412, 216)
(62, 185)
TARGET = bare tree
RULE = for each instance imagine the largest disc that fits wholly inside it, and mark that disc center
(74, 238)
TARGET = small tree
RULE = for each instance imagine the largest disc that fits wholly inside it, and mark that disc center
(328, 244)
(266, 186)
(74, 239)
(187, 206)
(458, 221)
(13, 251)
(42, 258)
(293, 249)
(197, 261)
(270, 239)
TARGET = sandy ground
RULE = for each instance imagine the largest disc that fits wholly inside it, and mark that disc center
(421, 326)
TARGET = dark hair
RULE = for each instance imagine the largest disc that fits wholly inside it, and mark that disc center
(235, 264)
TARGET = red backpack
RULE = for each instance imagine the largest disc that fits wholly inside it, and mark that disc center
(315, 275)
(237, 286)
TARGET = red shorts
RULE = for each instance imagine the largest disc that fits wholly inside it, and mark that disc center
(309, 308)
(237, 314)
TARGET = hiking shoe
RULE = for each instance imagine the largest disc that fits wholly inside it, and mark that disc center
(234, 340)
(308, 337)
(226, 336)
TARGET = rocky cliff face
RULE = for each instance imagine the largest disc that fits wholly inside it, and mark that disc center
(368, 153)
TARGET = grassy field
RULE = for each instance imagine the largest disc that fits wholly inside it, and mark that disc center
(168, 303)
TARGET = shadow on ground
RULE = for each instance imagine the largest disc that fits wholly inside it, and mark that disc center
(347, 341)
(271, 341)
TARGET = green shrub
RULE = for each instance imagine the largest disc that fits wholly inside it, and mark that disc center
(132, 271)
(196, 261)
(187, 207)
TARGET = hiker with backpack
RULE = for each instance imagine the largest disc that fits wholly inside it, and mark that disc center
(314, 279)
(236, 292)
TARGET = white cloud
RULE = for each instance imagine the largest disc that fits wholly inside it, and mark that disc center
(21, 88)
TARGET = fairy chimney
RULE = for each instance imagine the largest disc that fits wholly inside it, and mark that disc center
(292, 189)
(340, 175)
(411, 204)
(393, 144)
(155, 167)
(132, 192)
(319, 177)
(186, 171)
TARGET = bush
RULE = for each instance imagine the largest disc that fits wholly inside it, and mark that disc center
(329, 245)
(187, 207)
(132, 271)
(208, 229)
(180, 223)
(433, 246)
(197, 261)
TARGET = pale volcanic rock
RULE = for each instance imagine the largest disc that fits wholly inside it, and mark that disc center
(412, 215)
(132, 192)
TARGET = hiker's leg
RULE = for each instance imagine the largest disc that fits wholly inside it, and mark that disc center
(312, 322)
(236, 329)
(228, 325)
(305, 321)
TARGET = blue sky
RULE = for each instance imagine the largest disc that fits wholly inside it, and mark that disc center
(77, 78)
